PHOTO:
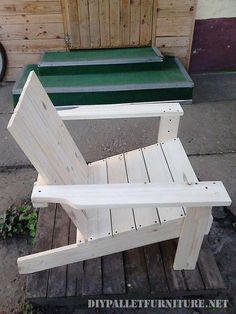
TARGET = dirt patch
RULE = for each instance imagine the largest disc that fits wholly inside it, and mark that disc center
(12, 285)
(15, 186)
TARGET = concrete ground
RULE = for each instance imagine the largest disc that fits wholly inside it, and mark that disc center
(208, 134)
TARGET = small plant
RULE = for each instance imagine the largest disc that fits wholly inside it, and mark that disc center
(19, 220)
(28, 309)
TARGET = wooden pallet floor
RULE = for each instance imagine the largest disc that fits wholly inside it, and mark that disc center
(143, 272)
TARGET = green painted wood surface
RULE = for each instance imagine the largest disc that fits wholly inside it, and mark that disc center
(67, 99)
(98, 60)
(99, 54)
(165, 71)
(114, 77)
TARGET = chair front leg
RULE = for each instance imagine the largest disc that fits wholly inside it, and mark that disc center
(194, 228)
(168, 128)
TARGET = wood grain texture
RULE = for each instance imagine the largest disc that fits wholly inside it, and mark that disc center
(193, 278)
(72, 22)
(12, 74)
(83, 14)
(146, 22)
(31, 26)
(32, 31)
(172, 42)
(75, 270)
(29, 19)
(158, 274)
(29, 7)
(99, 220)
(128, 110)
(194, 10)
(158, 171)
(33, 46)
(155, 269)
(92, 277)
(113, 274)
(209, 269)
(37, 282)
(173, 26)
(42, 111)
(191, 237)
(41, 134)
(175, 278)
(57, 276)
(104, 13)
(122, 218)
(94, 24)
(136, 271)
(137, 173)
(84, 251)
(134, 17)
(12, 2)
(115, 23)
(140, 195)
(154, 21)
(178, 161)
(181, 52)
(168, 128)
(176, 8)
(18, 59)
(124, 22)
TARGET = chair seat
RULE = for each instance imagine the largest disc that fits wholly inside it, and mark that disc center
(159, 163)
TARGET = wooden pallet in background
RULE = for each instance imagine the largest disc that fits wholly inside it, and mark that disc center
(145, 272)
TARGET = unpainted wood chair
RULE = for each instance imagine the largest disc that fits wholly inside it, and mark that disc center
(125, 201)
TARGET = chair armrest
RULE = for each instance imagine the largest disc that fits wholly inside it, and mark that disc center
(97, 196)
(117, 111)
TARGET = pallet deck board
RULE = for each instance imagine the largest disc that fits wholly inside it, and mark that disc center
(143, 272)
(209, 269)
(57, 276)
(92, 277)
(175, 279)
(155, 269)
(73, 270)
(193, 279)
(37, 283)
(136, 271)
(113, 274)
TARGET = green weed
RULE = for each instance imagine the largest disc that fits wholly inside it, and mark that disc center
(19, 220)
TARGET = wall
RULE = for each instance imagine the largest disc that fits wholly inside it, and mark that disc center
(215, 9)
(27, 28)
(168, 24)
(174, 27)
(214, 39)
(30, 27)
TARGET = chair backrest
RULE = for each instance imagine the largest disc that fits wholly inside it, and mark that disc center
(42, 135)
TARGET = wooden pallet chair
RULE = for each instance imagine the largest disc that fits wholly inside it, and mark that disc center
(125, 201)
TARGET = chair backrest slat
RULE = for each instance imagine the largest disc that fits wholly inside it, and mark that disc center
(42, 135)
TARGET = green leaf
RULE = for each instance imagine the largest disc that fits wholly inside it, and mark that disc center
(19, 220)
